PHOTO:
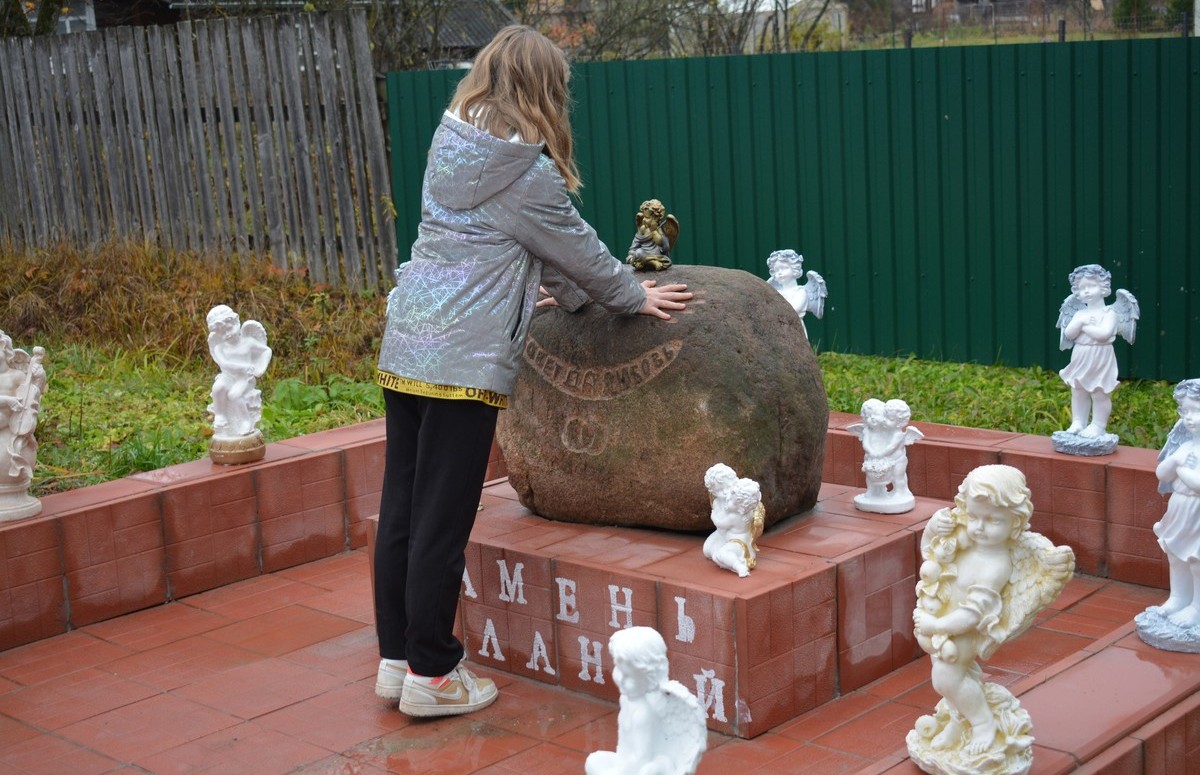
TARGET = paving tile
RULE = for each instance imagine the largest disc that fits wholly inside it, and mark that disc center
(1027, 655)
(351, 656)
(50, 755)
(748, 755)
(284, 629)
(51, 658)
(244, 749)
(145, 728)
(545, 714)
(181, 662)
(276, 683)
(1101, 699)
(876, 733)
(69, 698)
(807, 759)
(339, 719)
(153, 627)
(441, 747)
(252, 597)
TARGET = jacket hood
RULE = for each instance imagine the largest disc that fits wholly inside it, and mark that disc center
(473, 166)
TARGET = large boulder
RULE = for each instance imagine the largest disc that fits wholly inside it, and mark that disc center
(615, 419)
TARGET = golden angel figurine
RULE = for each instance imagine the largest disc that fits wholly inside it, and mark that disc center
(984, 579)
(655, 238)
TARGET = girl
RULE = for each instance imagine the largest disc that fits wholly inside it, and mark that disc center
(496, 224)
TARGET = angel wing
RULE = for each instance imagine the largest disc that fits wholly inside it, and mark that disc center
(1070, 306)
(254, 330)
(670, 227)
(1177, 436)
(682, 732)
(912, 435)
(857, 429)
(816, 292)
(1040, 571)
(19, 360)
(1127, 311)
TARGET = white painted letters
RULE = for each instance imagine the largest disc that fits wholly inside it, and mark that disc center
(626, 607)
(567, 612)
(713, 700)
(511, 588)
(489, 636)
(685, 625)
(597, 659)
(468, 590)
(539, 650)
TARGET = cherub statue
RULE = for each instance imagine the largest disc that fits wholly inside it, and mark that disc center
(22, 384)
(241, 350)
(786, 268)
(1089, 327)
(984, 579)
(1175, 625)
(739, 516)
(655, 238)
(661, 726)
(885, 435)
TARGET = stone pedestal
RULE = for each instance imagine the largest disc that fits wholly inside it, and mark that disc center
(233, 450)
(17, 503)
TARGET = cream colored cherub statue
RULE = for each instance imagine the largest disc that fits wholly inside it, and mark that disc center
(1175, 625)
(886, 436)
(660, 726)
(786, 267)
(738, 516)
(22, 383)
(984, 579)
(655, 238)
(1089, 328)
(241, 351)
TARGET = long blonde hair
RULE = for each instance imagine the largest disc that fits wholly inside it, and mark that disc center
(518, 83)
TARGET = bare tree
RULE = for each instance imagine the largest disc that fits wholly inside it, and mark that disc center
(599, 30)
(717, 27)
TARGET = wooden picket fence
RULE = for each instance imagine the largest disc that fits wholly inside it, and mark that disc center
(222, 137)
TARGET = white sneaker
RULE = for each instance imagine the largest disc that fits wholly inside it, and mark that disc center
(457, 692)
(389, 680)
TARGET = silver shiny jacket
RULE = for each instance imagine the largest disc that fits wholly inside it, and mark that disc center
(496, 223)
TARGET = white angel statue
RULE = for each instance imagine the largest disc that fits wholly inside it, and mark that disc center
(241, 350)
(984, 579)
(1089, 327)
(786, 267)
(738, 515)
(885, 435)
(660, 726)
(22, 384)
(1175, 625)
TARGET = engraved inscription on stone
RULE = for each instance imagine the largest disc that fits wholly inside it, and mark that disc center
(585, 435)
(600, 383)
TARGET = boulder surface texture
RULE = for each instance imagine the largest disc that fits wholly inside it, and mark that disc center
(615, 419)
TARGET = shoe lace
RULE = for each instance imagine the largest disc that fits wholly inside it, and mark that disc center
(464, 675)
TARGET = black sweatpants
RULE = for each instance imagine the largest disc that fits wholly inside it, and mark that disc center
(436, 459)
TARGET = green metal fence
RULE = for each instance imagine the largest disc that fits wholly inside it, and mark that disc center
(944, 194)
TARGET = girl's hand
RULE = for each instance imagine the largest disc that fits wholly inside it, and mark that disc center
(659, 300)
(547, 300)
